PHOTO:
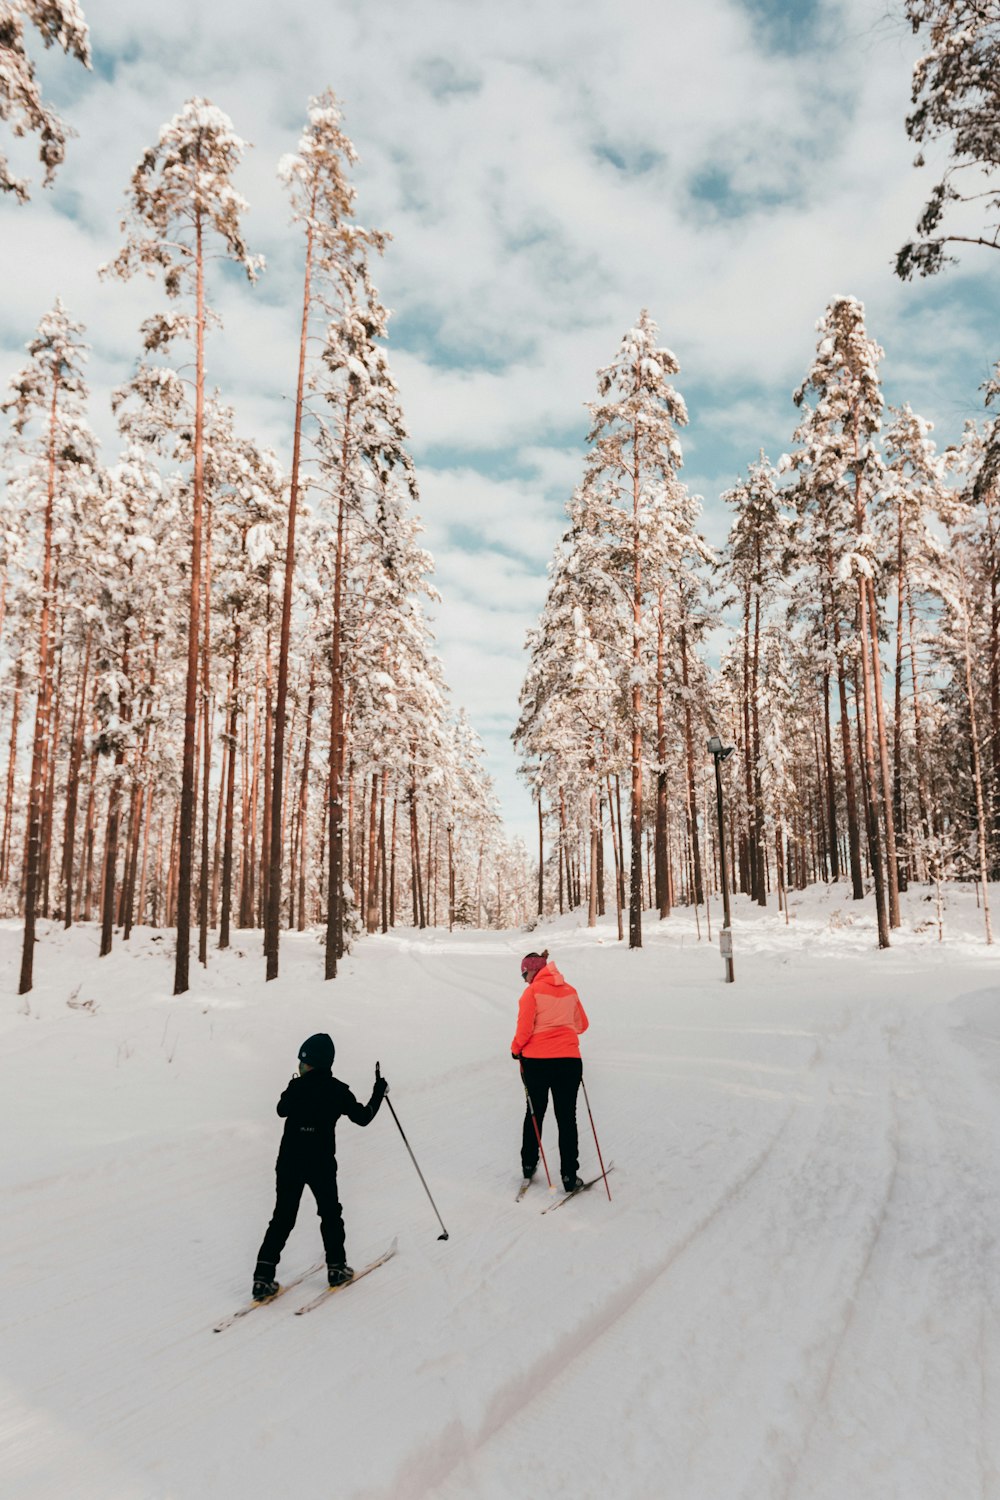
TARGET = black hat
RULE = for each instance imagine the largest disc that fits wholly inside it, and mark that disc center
(317, 1051)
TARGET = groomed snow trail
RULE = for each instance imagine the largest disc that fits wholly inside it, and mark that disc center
(792, 1295)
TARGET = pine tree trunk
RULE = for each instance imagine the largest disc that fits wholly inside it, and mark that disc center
(8, 813)
(853, 830)
(891, 858)
(977, 770)
(392, 865)
(752, 860)
(616, 850)
(73, 786)
(334, 900)
(831, 788)
(304, 797)
(660, 832)
(451, 876)
(372, 907)
(227, 846)
(699, 895)
(272, 921)
(541, 858)
(897, 721)
(206, 724)
(51, 758)
(635, 806)
(384, 858)
(33, 835)
(868, 765)
(265, 829)
(187, 807)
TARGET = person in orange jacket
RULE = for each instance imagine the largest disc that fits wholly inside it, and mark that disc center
(550, 1018)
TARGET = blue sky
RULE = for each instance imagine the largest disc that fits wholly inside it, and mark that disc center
(546, 169)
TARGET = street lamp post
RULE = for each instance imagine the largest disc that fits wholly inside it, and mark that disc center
(719, 753)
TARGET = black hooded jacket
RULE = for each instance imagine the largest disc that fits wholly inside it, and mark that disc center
(311, 1106)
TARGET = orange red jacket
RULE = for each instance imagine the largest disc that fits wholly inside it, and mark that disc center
(549, 1017)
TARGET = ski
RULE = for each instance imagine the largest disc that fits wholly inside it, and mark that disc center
(567, 1196)
(525, 1185)
(329, 1291)
(282, 1289)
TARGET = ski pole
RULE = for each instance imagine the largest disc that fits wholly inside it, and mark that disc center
(420, 1174)
(531, 1112)
(597, 1143)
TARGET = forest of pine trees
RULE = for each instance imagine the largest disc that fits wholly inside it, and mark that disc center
(220, 705)
(857, 600)
(220, 702)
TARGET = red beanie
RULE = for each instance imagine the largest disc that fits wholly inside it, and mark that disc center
(532, 963)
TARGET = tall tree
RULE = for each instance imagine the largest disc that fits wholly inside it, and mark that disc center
(323, 203)
(634, 454)
(181, 198)
(58, 452)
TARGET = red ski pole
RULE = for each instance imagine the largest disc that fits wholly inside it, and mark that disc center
(531, 1112)
(597, 1143)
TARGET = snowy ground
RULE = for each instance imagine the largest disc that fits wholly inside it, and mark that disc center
(794, 1293)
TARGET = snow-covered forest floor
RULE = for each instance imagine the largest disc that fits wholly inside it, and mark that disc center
(794, 1293)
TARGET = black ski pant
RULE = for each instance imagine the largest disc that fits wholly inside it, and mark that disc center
(292, 1177)
(561, 1076)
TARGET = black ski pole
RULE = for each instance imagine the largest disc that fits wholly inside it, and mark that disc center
(597, 1143)
(531, 1112)
(444, 1234)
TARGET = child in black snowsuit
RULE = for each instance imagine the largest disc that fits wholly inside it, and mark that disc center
(311, 1105)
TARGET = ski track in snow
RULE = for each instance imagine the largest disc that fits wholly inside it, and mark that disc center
(792, 1295)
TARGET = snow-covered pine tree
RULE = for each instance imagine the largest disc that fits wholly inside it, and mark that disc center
(58, 455)
(754, 561)
(323, 203)
(914, 506)
(181, 199)
(955, 98)
(58, 23)
(634, 453)
(839, 470)
(361, 445)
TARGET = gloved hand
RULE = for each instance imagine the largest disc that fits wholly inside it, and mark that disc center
(516, 1056)
(381, 1085)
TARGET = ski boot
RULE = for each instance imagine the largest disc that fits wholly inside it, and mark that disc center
(338, 1274)
(264, 1284)
(570, 1184)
